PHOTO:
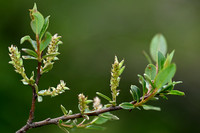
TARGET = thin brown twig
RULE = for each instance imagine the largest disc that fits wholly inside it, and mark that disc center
(78, 115)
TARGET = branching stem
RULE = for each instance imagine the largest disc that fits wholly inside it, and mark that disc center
(79, 115)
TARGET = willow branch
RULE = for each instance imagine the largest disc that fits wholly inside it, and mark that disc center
(55, 121)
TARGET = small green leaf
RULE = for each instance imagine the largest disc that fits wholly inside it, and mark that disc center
(29, 57)
(95, 127)
(165, 75)
(149, 81)
(161, 61)
(176, 92)
(143, 83)
(46, 41)
(147, 57)
(100, 120)
(28, 38)
(149, 107)
(127, 105)
(103, 96)
(121, 70)
(169, 59)
(108, 105)
(121, 63)
(37, 22)
(151, 71)
(44, 28)
(109, 116)
(88, 101)
(158, 43)
(40, 98)
(170, 86)
(166, 88)
(65, 112)
(30, 52)
(50, 55)
(47, 68)
(135, 92)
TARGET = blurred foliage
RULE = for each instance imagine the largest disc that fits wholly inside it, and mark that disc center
(93, 32)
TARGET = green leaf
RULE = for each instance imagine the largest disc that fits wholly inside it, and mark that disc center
(50, 55)
(88, 101)
(127, 105)
(135, 92)
(28, 38)
(151, 71)
(65, 112)
(165, 75)
(44, 28)
(167, 88)
(176, 92)
(169, 59)
(45, 42)
(95, 127)
(37, 22)
(121, 70)
(149, 81)
(161, 61)
(121, 63)
(147, 57)
(158, 43)
(29, 57)
(103, 96)
(149, 107)
(143, 83)
(30, 52)
(109, 116)
(100, 120)
(47, 68)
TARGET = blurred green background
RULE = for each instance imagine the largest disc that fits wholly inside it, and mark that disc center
(93, 32)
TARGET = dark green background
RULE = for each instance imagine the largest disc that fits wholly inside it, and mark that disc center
(94, 31)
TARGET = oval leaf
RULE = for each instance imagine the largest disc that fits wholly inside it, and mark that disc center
(103, 96)
(100, 120)
(165, 75)
(158, 43)
(28, 38)
(151, 71)
(37, 22)
(65, 112)
(30, 52)
(176, 92)
(149, 107)
(94, 127)
(46, 41)
(135, 92)
(127, 105)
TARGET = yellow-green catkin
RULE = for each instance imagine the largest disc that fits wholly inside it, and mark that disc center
(82, 103)
(17, 62)
(52, 91)
(116, 71)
